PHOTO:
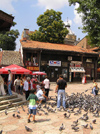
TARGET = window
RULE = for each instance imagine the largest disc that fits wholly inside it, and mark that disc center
(31, 59)
(43, 63)
(64, 73)
(64, 64)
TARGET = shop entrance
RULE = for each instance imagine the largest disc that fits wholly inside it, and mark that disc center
(53, 74)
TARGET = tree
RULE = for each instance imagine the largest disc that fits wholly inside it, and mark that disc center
(90, 10)
(8, 38)
(51, 28)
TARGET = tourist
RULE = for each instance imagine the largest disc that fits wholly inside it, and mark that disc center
(27, 87)
(37, 86)
(32, 104)
(21, 86)
(9, 82)
(60, 88)
(2, 91)
(46, 83)
(33, 79)
(95, 88)
(41, 95)
(17, 85)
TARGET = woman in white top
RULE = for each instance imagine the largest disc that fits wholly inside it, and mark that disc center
(2, 91)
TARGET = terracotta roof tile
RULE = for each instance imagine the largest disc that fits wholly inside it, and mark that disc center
(95, 48)
(53, 46)
(11, 57)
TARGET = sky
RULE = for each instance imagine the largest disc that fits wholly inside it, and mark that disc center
(26, 12)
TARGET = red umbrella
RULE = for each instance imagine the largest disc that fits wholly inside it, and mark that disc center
(39, 73)
(15, 69)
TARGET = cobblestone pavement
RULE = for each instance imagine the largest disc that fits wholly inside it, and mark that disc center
(49, 124)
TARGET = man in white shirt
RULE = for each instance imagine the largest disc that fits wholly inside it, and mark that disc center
(27, 87)
(41, 95)
(17, 84)
(9, 82)
(46, 83)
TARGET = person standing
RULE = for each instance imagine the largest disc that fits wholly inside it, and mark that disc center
(17, 85)
(21, 86)
(32, 104)
(27, 87)
(9, 82)
(2, 91)
(46, 83)
(61, 85)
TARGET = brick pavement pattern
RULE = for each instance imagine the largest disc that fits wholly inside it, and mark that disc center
(49, 124)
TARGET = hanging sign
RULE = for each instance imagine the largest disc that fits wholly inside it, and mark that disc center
(54, 63)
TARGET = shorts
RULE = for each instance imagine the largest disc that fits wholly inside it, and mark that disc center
(32, 111)
(41, 98)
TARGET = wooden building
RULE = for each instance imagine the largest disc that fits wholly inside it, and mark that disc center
(6, 21)
(54, 59)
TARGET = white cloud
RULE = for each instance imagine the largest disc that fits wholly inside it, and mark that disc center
(52, 4)
(77, 18)
(7, 5)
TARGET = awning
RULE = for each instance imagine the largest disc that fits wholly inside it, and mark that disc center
(77, 69)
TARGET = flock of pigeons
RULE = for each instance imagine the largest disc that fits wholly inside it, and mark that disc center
(75, 103)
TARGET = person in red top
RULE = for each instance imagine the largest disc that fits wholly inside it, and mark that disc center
(34, 85)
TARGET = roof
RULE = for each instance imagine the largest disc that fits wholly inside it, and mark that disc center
(95, 48)
(11, 57)
(52, 46)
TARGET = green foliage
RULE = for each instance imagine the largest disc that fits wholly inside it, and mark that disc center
(90, 18)
(51, 28)
(7, 39)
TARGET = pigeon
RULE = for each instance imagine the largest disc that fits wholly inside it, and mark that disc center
(6, 112)
(85, 114)
(1, 131)
(86, 90)
(94, 121)
(13, 115)
(61, 127)
(45, 113)
(75, 128)
(85, 126)
(67, 116)
(23, 108)
(18, 116)
(75, 121)
(28, 129)
(18, 111)
(91, 127)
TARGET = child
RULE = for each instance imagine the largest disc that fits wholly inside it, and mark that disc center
(95, 88)
(32, 104)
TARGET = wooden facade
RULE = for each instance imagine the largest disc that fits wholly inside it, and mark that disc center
(56, 62)
(6, 21)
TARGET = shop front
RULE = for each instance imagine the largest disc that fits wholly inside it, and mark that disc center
(54, 68)
(55, 59)
(76, 71)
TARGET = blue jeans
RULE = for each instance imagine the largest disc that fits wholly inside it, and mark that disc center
(61, 93)
(9, 87)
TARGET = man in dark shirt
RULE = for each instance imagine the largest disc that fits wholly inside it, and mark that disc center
(61, 85)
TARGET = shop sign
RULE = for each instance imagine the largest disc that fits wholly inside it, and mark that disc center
(76, 62)
(32, 68)
(54, 63)
(77, 65)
